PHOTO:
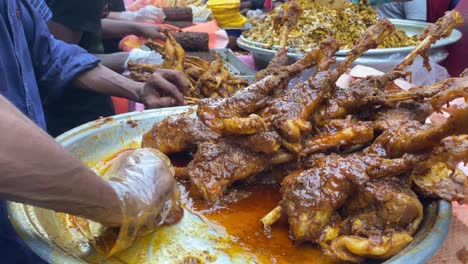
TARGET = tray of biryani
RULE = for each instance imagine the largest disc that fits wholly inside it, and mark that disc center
(315, 23)
(308, 173)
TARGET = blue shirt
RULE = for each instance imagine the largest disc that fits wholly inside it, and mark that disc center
(42, 9)
(30, 56)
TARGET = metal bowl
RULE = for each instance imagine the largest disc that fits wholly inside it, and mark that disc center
(263, 53)
(51, 239)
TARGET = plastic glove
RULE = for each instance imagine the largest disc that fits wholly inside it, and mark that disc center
(144, 56)
(257, 14)
(144, 182)
(149, 14)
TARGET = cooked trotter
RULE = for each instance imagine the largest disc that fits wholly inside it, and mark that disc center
(214, 111)
(311, 197)
(359, 95)
(385, 118)
(382, 217)
(267, 142)
(289, 112)
(439, 177)
(356, 248)
(215, 166)
(178, 133)
(174, 54)
(413, 137)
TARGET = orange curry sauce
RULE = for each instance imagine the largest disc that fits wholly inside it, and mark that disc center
(240, 211)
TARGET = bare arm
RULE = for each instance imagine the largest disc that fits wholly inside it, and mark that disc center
(114, 61)
(103, 80)
(112, 28)
(164, 88)
(35, 170)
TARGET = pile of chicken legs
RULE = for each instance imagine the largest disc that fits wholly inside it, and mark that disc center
(206, 79)
(353, 163)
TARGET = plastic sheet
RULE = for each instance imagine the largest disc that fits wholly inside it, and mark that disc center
(144, 182)
(142, 56)
(149, 14)
(420, 75)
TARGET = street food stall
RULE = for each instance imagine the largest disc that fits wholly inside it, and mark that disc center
(327, 151)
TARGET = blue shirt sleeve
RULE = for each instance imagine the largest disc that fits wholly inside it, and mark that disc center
(55, 62)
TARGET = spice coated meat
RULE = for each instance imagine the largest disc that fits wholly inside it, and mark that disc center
(353, 163)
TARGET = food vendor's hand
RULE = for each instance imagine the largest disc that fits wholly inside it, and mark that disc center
(143, 180)
(165, 88)
(150, 31)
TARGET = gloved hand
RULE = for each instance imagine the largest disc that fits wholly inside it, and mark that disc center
(149, 14)
(143, 180)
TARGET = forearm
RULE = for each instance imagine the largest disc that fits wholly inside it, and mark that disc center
(103, 80)
(35, 170)
(114, 15)
(112, 28)
(114, 61)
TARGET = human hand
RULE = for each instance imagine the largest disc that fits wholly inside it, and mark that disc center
(165, 88)
(148, 14)
(143, 180)
(150, 31)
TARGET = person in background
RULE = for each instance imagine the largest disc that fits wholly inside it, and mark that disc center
(81, 22)
(412, 10)
(111, 45)
(34, 169)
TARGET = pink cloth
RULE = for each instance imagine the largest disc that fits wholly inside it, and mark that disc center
(248, 59)
(457, 60)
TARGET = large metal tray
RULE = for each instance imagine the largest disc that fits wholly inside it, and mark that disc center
(54, 242)
(235, 65)
(373, 58)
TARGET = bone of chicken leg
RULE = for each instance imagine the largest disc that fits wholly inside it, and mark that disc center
(288, 19)
(440, 93)
(441, 29)
(354, 134)
(213, 112)
(289, 112)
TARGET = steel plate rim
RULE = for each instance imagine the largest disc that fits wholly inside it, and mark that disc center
(454, 37)
(426, 248)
